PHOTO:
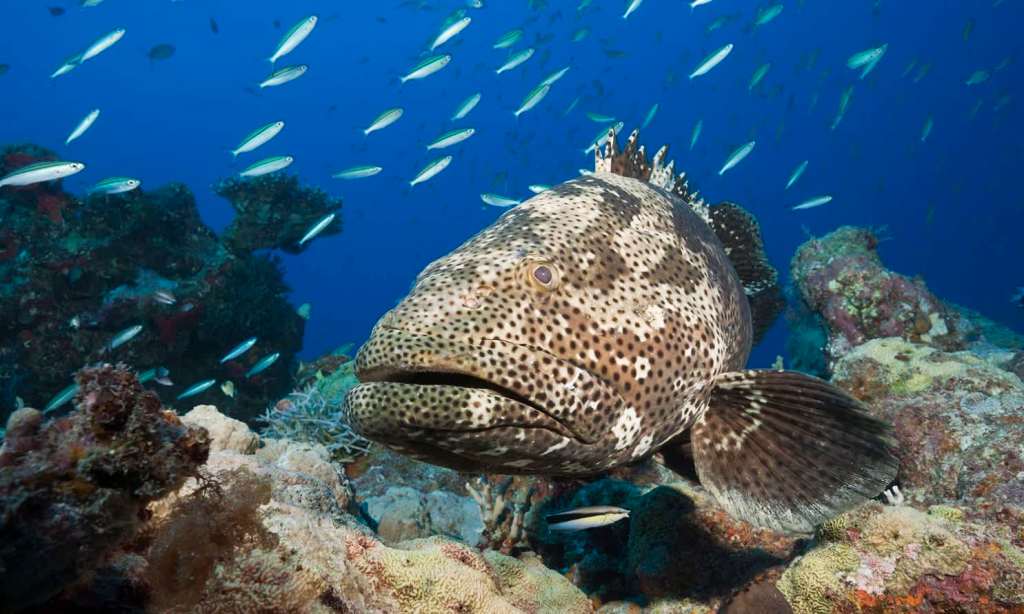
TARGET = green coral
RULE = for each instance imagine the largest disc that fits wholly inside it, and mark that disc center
(947, 512)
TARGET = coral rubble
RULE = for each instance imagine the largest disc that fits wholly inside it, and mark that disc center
(76, 271)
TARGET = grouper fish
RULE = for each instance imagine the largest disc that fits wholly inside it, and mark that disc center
(601, 322)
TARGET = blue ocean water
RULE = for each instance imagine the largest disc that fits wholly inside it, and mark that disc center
(951, 210)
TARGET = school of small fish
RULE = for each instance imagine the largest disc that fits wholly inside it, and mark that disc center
(514, 56)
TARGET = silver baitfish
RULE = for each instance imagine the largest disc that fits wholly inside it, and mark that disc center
(262, 365)
(198, 388)
(124, 336)
(239, 349)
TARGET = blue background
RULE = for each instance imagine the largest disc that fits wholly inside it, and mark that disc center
(174, 120)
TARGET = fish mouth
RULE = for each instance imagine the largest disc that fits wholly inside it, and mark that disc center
(445, 378)
(425, 391)
(418, 398)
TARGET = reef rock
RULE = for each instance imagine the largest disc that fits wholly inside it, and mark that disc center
(403, 513)
(76, 271)
(272, 531)
(959, 421)
(73, 489)
(841, 278)
(225, 433)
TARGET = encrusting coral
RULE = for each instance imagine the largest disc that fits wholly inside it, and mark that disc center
(74, 488)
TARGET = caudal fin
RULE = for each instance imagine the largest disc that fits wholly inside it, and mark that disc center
(740, 234)
(788, 451)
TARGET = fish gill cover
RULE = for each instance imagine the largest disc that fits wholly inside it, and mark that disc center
(169, 197)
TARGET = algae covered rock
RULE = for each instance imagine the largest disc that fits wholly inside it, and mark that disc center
(958, 419)
(73, 489)
(841, 279)
(896, 558)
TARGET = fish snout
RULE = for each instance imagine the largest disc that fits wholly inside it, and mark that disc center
(507, 406)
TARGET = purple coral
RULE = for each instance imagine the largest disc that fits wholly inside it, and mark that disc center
(72, 489)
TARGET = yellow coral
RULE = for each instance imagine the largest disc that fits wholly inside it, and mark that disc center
(531, 586)
(947, 512)
(834, 529)
(813, 584)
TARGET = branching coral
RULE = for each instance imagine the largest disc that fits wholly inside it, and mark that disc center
(309, 416)
(503, 507)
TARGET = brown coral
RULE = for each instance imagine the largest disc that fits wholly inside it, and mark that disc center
(84, 479)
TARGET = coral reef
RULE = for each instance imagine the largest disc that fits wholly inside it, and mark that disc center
(76, 271)
(959, 421)
(307, 517)
(840, 278)
(274, 212)
(271, 531)
(73, 488)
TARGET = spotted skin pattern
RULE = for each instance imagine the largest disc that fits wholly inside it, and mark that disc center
(582, 330)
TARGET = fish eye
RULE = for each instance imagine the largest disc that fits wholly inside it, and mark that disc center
(541, 274)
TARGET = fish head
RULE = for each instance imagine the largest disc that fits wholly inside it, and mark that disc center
(550, 343)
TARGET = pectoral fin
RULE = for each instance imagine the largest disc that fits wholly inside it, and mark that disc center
(787, 451)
